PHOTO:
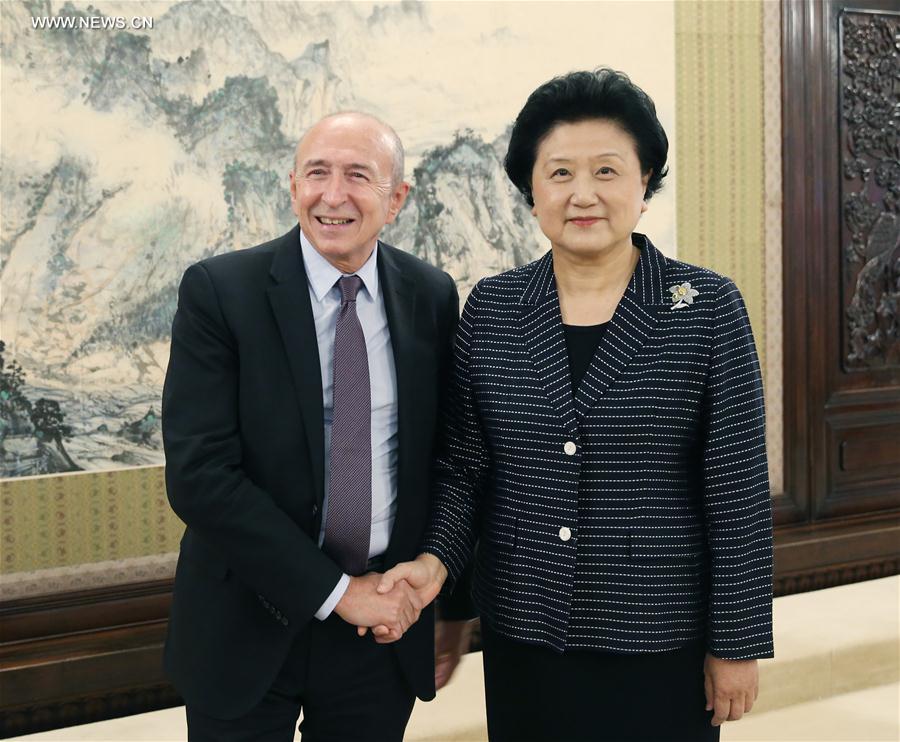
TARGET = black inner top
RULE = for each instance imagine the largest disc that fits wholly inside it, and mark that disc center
(582, 342)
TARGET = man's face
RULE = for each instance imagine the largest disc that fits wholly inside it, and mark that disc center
(341, 188)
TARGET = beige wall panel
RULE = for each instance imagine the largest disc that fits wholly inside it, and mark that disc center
(729, 168)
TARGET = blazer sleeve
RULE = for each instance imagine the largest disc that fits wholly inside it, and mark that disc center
(205, 482)
(455, 604)
(737, 504)
(463, 461)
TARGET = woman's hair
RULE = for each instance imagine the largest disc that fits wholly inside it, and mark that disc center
(578, 96)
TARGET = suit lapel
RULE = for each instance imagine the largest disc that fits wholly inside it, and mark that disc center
(400, 307)
(540, 324)
(634, 319)
(292, 308)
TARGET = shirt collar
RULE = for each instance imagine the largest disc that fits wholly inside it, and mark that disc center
(322, 275)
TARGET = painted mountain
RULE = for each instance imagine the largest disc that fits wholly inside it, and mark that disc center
(128, 155)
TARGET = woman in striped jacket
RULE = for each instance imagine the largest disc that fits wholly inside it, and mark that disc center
(604, 458)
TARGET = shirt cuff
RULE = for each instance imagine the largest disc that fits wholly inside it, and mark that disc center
(332, 600)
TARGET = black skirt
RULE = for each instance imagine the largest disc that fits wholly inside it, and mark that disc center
(534, 693)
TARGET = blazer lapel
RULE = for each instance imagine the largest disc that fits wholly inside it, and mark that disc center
(400, 307)
(292, 308)
(540, 324)
(634, 319)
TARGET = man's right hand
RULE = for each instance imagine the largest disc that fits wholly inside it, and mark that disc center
(426, 576)
(363, 606)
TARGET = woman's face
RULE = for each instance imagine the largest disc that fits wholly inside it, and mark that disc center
(588, 188)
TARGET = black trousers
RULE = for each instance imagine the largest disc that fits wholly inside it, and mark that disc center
(533, 693)
(350, 689)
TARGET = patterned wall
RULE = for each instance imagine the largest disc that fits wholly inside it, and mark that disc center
(84, 530)
(728, 79)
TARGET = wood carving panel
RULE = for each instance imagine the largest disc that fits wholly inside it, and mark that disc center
(863, 462)
(870, 203)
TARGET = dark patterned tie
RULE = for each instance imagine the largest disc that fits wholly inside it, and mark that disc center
(349, 518)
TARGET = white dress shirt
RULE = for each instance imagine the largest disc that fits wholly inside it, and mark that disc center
(325, 298)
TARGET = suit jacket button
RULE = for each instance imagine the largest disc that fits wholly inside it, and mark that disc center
(565, 533)
(315, 510)
(570, 448)
(284, 620)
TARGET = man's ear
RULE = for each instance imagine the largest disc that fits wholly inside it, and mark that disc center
(398, 198)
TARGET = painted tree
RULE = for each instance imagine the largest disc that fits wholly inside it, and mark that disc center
(49, 426)
(15, 409)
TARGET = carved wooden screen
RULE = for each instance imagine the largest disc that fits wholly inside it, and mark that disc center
(841, 95)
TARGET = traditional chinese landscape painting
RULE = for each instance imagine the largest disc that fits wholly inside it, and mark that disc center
(129, 154)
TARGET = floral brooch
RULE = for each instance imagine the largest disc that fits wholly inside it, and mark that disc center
(682, 295)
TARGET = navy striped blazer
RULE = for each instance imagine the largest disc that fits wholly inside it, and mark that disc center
(632, 514)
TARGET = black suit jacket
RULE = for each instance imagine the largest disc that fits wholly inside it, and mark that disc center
(243, 431)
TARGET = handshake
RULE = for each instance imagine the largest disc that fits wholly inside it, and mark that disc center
(390, 603)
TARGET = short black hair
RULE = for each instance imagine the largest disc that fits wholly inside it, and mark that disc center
(578, 96)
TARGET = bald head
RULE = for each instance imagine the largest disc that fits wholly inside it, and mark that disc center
(356, 123)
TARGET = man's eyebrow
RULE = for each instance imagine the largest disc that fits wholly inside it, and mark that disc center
(316, 163)
(326, 163)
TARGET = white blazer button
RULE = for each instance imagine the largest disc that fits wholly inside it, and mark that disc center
(570, 448)
(565, 534)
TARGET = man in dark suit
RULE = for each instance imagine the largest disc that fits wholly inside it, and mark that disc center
(299, 415)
